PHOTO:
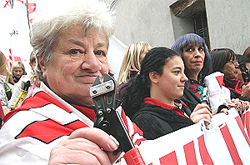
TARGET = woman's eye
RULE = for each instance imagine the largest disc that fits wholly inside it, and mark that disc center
(100, 53)
(75, 51)
(189, 50)
(201, 49)
(176, 72)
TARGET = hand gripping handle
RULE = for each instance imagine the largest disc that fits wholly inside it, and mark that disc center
(110, 121)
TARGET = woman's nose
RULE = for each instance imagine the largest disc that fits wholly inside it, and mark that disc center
(91, 62)
(197, 54)
(184, 78)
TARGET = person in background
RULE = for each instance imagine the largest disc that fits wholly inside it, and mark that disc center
(198, 65)
(150, 98)
(17, 71)
(15, 102)
(202, 87)
(5, 87)
(247, 52)
(244, 68)
(225, 61)
(132, 59)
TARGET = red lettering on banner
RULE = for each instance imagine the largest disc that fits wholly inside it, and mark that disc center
(170, 158)
(243, 118)
(20, 1)
(31, 7)
(239, 122)
(230, 145)
(6, 4)
(205, 157)
(247, 123)
(190, 153)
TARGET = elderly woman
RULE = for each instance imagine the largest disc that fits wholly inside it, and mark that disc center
(225, 61)
(70, 41)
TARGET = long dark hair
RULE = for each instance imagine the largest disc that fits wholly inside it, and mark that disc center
(134, 92)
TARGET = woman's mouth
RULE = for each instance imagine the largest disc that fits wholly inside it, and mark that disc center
(197, 62)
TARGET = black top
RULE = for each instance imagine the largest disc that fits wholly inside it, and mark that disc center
(156, 121)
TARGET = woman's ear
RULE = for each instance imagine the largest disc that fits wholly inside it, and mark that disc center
(42, 66)
(153, 76)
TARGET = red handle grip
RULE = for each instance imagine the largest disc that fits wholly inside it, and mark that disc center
(133, 157)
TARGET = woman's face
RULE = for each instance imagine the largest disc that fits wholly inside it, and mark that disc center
(193, 56)
(77, 60)
(240, 73)
(18, 72)
(170, 85)
(230, 69)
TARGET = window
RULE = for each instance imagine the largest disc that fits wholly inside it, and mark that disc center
(195, 10)
(200, 26)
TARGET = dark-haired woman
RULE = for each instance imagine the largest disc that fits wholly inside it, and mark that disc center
(198, 65)
(150, 98)
(225, 61)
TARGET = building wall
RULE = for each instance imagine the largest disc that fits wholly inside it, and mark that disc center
(152, 21)
(144, 20)
(229, 24)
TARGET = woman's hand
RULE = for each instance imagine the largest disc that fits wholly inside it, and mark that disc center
(239, 105)
(85, 146)
(201, 111)
(246, 91)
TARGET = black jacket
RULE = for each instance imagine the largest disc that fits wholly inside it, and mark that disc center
(234, 94)
(156, 121)
(189, 97)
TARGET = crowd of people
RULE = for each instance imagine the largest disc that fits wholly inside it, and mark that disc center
(162, 90)
(13, 82)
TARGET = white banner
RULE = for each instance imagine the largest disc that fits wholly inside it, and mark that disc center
(115, 55)
(225, 142)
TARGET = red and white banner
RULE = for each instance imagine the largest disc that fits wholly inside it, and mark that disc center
(246, 122)
(225, 142)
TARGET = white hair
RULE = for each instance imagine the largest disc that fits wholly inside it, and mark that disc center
(60, 15)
